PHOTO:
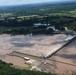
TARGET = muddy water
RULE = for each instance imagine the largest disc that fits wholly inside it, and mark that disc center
(65, 55)
(68, 53)
(15, 60)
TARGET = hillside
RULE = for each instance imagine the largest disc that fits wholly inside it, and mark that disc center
(6, 69)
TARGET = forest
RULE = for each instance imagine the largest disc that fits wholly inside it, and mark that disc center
(21, 19)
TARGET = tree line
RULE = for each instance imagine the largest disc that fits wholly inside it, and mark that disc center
(6, 69)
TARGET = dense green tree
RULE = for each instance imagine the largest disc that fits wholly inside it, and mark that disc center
(6, 69)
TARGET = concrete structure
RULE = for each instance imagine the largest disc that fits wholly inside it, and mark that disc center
(68, 39)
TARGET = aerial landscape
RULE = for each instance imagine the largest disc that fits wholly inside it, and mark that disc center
(38, 37)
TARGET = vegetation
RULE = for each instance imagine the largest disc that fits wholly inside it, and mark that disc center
(6, 69)
(21, 19)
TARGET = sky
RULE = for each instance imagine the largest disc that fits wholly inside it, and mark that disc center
(15, 2)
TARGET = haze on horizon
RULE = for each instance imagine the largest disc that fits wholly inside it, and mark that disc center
(16, 2)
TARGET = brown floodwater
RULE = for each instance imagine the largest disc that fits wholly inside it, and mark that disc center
(65, 59)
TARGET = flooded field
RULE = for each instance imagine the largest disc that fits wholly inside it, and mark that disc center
(38, 45)
(65, 59)
(16, 61)
(63, 62)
